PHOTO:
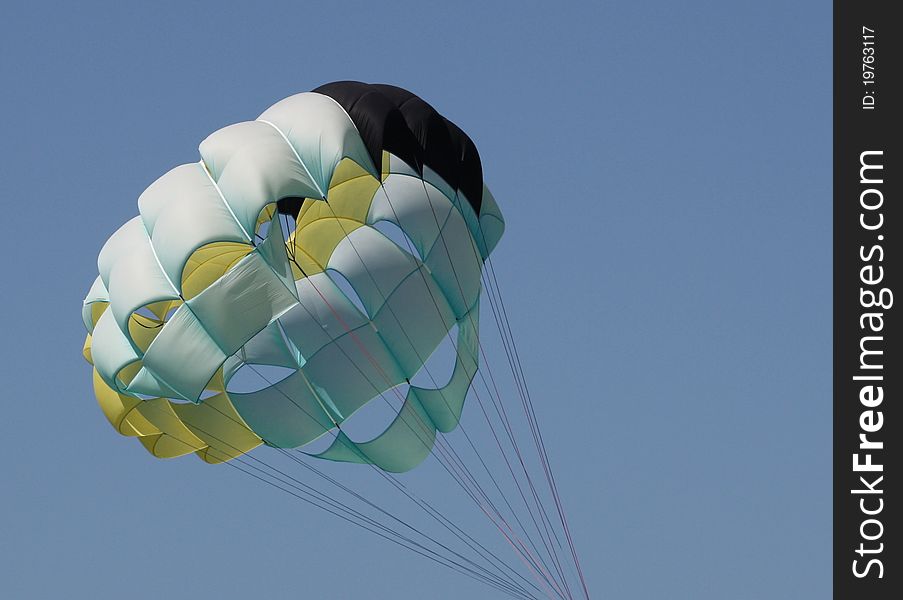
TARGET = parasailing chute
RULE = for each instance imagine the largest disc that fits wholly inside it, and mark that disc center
(305, 271)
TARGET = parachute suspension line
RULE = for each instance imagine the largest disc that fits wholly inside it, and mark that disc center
(396, 519)
(376, 531)
(356, 517)
(499, 407)
(339, 509)
(545, 522)
(385, 475)
(446, 522)
(401, 488)
(541, 442)
(379, 471)
(530, 411)
(458, 472)
(448, 463)
(502, 413)
(440, 442)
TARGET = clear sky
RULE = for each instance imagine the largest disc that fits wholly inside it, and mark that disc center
(664, 168)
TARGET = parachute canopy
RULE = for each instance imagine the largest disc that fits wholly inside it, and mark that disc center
(340, 237)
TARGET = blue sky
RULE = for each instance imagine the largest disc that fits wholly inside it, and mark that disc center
(664, 169)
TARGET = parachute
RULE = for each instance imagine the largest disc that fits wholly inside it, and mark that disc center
(327, 248)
